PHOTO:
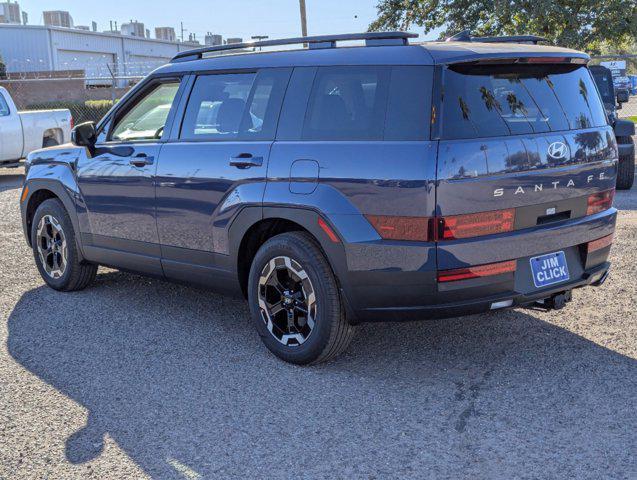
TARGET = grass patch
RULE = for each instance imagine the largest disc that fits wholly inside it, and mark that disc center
(632, 119)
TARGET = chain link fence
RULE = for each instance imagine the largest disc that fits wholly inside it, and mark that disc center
(87, 92)
(86, 102)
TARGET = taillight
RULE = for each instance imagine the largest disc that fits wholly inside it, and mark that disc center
(476, 224)
(72, 122)
(487, 270)
(600, 201)
(424, 229)
(401, 228)
(599, 243)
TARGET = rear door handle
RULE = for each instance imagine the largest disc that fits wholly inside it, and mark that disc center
(246, 160)
(141, 160)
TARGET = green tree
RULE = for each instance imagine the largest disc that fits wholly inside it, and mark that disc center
(581, 24)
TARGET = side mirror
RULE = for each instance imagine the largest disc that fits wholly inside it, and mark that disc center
(84, 135)
(622, 96)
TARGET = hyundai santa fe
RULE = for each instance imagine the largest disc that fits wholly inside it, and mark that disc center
(335, 184)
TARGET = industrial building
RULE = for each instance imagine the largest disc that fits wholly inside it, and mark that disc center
(212, 40)
(57, 18)
(10, 13)
(34, 48)
(134, 29)
(165, 33)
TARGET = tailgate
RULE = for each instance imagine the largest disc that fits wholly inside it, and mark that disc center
(524, 150)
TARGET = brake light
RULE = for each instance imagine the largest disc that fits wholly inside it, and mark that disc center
(72, 122)
(487, 270)
(600, 201)
(599, 243)
(401, 228)
(546, 60)
(476, 224)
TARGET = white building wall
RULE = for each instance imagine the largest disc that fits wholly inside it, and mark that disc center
(25, 49)
(37, 48)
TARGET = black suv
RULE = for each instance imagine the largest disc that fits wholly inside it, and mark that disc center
(624, 129)
(336, 185)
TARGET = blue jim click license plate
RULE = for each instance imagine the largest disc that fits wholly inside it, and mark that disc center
(549, 269)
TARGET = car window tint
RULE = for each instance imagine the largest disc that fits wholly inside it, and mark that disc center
(4, 108)
(579, 98)
(147, 118)
(604, 80)
(347, 103)
(409, 107)
(235, 106)
(488, 101)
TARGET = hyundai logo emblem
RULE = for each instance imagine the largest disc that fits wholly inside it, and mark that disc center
(558, 150)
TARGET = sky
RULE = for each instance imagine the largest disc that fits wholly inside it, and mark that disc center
(230, 18)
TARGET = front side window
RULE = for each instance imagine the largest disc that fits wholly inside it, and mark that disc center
(489, 101)
(4, 108)
(242, 106)
(147, 118)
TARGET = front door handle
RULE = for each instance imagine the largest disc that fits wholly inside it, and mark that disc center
(246, 160)
(141, 160)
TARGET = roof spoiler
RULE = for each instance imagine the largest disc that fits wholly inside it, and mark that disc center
(465, 36)
(322, 41)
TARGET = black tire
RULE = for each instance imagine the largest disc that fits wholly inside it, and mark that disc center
(76, 274)
(49, 142)
(626, 167)
(331, 333)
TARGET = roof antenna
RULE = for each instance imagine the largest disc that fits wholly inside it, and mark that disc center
(464, 36)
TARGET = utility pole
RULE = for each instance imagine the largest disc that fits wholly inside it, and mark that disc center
(303, 18)
(182, 32)
(258, 38)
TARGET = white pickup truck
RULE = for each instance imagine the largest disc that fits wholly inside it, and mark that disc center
(23, 132)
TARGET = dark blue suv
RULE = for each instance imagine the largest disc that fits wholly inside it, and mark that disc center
(336, 185)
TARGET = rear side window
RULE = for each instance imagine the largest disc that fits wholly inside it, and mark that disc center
(489, 101)
(241, 106)
(369, 103)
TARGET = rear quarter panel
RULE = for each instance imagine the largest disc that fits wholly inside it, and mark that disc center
(364, 178)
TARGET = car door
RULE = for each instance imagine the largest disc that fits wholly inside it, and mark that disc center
(10, 132)
(214, 165)
(117, 182)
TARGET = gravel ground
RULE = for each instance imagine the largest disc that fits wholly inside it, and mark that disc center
(137, 378)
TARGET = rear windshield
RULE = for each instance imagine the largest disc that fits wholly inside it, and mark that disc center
(490, 101)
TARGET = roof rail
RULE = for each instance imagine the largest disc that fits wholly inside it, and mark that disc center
(465, 36)
(322, 41)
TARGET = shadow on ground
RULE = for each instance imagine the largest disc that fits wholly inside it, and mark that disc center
(10, 181)
(178, 378)
(626, 199)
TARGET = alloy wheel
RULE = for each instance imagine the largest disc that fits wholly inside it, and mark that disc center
(287, 301)
(51, 246)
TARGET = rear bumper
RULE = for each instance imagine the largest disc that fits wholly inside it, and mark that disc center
(393, 281)
(509, 299)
